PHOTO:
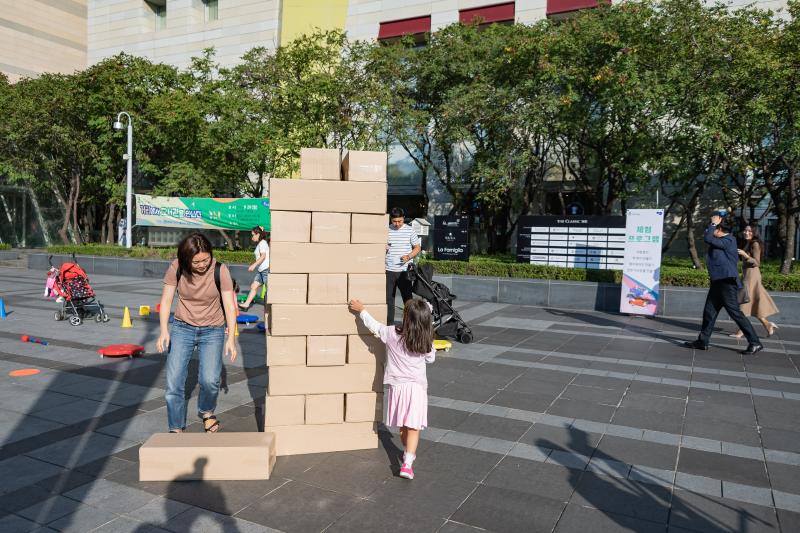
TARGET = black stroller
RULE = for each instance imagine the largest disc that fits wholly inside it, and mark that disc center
(446, 320)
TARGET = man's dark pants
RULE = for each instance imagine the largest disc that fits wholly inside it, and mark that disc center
(723, 294)
(394, 281)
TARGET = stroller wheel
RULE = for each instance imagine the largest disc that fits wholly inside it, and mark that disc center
(465, 336)
(105, 317)
(58, 315)
(98, 318)
(75, 320)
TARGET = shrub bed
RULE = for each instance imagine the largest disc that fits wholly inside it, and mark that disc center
(144, 252)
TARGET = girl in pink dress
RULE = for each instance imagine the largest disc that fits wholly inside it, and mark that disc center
(408, 349)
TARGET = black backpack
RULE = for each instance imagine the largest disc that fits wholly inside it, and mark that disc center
(217, 268)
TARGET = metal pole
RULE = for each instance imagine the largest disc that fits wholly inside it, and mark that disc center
(129, 192)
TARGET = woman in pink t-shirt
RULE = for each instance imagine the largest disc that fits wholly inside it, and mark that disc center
(409, 348)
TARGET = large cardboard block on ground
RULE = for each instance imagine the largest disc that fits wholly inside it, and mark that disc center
(326, 258)
(222, 456)
(292, 380)
(290, 226)
(369, 228)
(330, 227)
(286, 351)
(331, 196)
(369, 288)
(319, 164)
(327, 289)
(310, 438)
(325, 409)
(365, 350)
(326, 350)
(364, 166)
(363, 406)
(287, 289)
(284, 410)
(287, 320)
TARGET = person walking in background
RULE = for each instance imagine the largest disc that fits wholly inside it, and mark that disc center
(205, 308)
(409, 348)
(723, 271)
(761, 305)
(260, 265)
(403, 246)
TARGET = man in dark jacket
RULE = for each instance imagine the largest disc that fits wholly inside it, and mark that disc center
(723, 260)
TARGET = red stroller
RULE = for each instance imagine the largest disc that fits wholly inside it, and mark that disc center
(78, 299)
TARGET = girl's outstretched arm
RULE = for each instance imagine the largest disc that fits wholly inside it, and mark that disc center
(431, 356)
(379, 330)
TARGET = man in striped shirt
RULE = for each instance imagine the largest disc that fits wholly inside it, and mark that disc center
(404, 245)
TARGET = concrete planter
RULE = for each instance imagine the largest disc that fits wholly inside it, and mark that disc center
(8, 255)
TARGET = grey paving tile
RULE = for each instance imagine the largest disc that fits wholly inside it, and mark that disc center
(746, 493)
(624, 431)
(460, 439)
(196, 519)
(508, 511)
(16, 524)
(277, 509)
(526, 451)
(725, 467)
(128, 525)
(489, 444)
(699, 484)
(21, 471)
(786, 500)
(608, 467)
(655, 476)
(158, 511)
(362, 479)
(740, 450)
(699, 443)
(81, 449)
(700, 512)
(111, 496)
(50, 509)
(535, 478)
(430, 495)
(568, 459)
(623, 496)
(576, 518)
(369, 517)
(85, 518)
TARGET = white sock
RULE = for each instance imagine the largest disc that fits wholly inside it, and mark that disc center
(408, 458)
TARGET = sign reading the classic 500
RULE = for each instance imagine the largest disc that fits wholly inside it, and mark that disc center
(209, 213)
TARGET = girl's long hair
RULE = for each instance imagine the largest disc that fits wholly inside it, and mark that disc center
(417, 328)
(756, 239)
(190, 246)
(262, 235)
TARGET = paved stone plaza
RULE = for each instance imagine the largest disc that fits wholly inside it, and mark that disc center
(552, 420)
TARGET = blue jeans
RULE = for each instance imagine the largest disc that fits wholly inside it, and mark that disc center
(210, 341)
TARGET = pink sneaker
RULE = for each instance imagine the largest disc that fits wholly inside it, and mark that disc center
(406, 472)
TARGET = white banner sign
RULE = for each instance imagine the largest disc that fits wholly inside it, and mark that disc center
(641, 271)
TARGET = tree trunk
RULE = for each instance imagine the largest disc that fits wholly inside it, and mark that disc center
(788, 248)
(75, 226)
(690, 237)
(66, 209)
(228, 240)
(111, 223)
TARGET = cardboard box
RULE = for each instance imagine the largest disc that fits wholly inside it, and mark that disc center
(319, 164)
(223, 456)
(369, 229)
(323, 258)
(288, 320)
(284, 410)
(363, 406)
(290, 226)
(369, 288)
(287, 289)
(364, 166)
(286, 351)
(291, 380)
(325, 409)
(310, 438)
(328, 350)
(330, 227)
(365, 349)
(331, 196)
(327, 289)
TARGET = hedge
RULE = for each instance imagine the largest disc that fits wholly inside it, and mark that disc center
(680, 276)
(144, 252)
(4, 246)
(674, 271)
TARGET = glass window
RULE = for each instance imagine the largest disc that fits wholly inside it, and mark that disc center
(211, 10)
(159, 9)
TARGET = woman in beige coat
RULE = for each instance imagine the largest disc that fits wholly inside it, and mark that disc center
(761, 304)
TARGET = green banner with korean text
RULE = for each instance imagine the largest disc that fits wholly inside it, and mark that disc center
(202, 213)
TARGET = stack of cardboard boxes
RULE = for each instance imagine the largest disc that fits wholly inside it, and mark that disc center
(328, 243)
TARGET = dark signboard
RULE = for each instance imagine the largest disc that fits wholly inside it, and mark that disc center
(451, 237)
(572, 241)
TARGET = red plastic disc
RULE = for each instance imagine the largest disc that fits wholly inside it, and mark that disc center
(24, 372)
(121, 350)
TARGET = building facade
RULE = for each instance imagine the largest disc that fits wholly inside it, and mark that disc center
(38, 36)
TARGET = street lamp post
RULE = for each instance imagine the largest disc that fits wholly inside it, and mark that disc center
(129, 191)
